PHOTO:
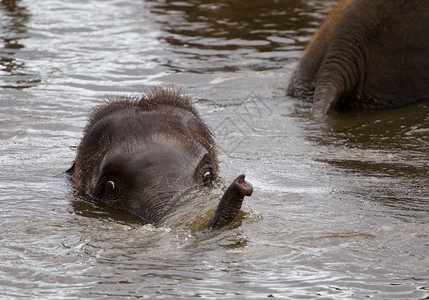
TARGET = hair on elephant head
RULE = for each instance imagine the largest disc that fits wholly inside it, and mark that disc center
(139, 154)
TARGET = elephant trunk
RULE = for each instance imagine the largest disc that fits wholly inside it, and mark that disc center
(230, 204)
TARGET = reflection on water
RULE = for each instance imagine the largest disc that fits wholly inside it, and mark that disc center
(396, 129)
(340, 208)
(13, 71)
(383, 151)
(229, 36)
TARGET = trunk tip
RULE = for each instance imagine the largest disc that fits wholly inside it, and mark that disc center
(244, 187)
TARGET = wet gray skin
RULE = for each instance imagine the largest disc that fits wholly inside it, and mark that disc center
(141, 155)
(360, 42)
(230, 204)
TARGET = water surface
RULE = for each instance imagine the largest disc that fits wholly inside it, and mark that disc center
(340, 208)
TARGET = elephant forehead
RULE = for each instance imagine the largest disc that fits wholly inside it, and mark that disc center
(153, 160)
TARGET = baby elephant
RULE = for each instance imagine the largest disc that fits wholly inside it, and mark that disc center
(141, 155)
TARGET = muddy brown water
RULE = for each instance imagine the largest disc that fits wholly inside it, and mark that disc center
(340, 208)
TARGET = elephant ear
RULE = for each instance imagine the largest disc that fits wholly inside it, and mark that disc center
(230, 204)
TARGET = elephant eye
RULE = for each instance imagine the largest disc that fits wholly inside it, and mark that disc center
(205, 173)
(109, 190)
(207, 177)
(110, 186)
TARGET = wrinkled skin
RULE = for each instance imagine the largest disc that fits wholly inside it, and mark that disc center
(141, 155)
(367, 54)
(230, 204)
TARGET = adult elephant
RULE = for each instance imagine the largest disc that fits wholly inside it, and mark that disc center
(142, 154)
(368, 54)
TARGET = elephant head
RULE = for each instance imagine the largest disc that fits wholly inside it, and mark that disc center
(141, 155)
